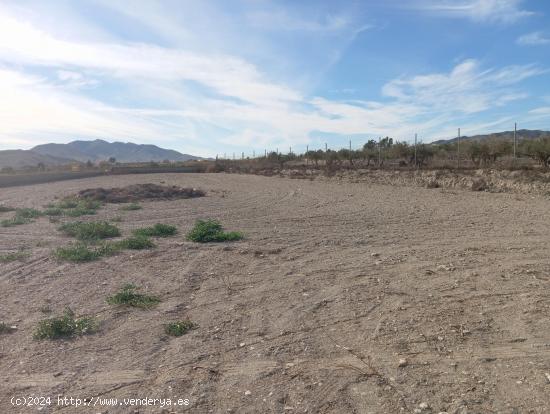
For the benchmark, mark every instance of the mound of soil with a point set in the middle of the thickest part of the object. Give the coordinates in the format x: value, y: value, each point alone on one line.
x: 138, y: 192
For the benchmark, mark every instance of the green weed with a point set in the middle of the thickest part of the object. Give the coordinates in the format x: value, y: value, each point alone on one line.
x: 65, y: 326
x: 179, y: 328
x: 206, y: 231
x: 90, y: 231
x: 129, y: 297
x: 158, y: 230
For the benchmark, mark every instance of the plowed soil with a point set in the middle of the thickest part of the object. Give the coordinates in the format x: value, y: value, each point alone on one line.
x: 343, y: 298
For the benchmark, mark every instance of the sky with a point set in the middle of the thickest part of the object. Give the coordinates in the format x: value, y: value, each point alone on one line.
x: 222, y: 76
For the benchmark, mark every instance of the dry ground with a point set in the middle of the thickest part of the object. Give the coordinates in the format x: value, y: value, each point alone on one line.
x: 333, y: 286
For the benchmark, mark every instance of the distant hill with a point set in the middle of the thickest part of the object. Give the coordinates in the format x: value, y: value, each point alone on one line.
x: 100, y: 150
x: 18, y: 159
x: 507, y: 135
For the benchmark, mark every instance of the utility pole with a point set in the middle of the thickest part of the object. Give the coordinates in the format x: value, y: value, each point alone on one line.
x: 326, y: 147
x: 350, y: 152
x: 515, y: 132
x: 415, y: 163
x: 458, y: 150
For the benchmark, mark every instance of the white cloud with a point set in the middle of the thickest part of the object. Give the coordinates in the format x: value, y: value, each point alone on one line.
x: 230, y: 102
x: 533, y: 39
x: 282, y: 20
x: 500, y: 11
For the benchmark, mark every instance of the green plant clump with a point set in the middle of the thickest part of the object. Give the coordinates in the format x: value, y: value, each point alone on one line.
x: 211, y: 231
x: 14, y: 221
x: 27, y: 213
x: 158, y: 230
x: 90, y: 231
x: 136, y: 243
x: 81, y: 252
x: 179, y: 328
x: 65, y: 326
x: 129, y: 297
x: 131, y: 207
x: 5, y: 209
x: 73, y: 207
x: 12, y: 257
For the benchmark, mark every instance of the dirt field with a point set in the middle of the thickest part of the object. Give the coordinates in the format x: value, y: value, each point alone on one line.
x: 335, y: 286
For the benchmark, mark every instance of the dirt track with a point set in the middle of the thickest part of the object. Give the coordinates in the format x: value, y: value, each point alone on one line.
x: 333, y: 286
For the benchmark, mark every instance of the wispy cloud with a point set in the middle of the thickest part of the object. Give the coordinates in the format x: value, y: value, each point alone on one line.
x: 500, y: 11
x: 533, y: 39
x: 202, y: 101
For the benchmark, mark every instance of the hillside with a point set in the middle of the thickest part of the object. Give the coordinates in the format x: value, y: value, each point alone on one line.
x: 507, y: 135
x: 18, y: 159
x: 100, y: 150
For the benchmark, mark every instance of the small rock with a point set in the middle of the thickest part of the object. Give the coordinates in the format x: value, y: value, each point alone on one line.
x: 423, y: 406
x: 403, y: 362
x: 247, y: 392
x: 547, y: 375
x: 375, y: 254
x: 242, y: 344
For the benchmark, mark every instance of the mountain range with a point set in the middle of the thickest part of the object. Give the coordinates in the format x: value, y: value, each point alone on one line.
x: 83, y: 151
x: 506, y: 135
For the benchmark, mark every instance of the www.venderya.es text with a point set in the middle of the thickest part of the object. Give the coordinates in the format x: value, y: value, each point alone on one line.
x: 67, y: 401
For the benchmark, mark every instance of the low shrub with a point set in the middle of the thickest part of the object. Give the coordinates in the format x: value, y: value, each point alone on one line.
x: 179, y: 328
x: 53, y: 211
x: 5, y: 209
x: 14, y: 221
x: 90, y: 231
x: 81, y: 252
x: 136, y: 243
x: 158, y: 230
x: 27, y: 213
x: 12, y: 257
x: 129, y: 297
x: 206, y: 231
x: 65, y: 326
x: 131, y: 207
x: 74, y: 207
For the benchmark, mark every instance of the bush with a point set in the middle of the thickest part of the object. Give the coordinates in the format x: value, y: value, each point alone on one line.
x: 131, y: 207
x: 74, y: 207
x: 65, y: 326
x: 27, y: 213
x: 179, y: 328
x: 12, y: 257
x: 158, y: 230
x: 53, y: 211
x: 136, y: 243
x: 15, y: 221
x: 81, y: 252
x: 5, y: 209
x: 90, y: 231
x: 129, y: 297
x: 211, y: 231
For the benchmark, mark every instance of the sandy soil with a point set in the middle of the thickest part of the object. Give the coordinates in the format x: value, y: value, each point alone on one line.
x: 335, y: 287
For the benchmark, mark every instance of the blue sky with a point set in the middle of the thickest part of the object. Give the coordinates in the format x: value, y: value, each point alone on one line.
x: 208, y: 77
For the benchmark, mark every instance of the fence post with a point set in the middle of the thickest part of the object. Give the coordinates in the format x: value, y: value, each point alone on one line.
x: 415, y: 162
x: 379, y: 151
x: 458, y: 150
x: 515, y: 131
